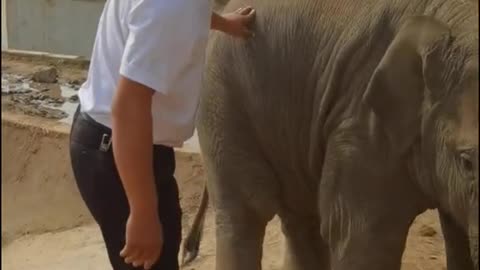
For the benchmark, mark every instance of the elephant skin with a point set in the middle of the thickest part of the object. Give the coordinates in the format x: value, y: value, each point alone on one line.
x: 347, y: 119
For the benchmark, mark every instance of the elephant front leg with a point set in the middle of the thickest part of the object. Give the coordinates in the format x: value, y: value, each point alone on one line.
x: 456, y: 245
x: 360, y: 246
x: 239, y: 241
x: 366, y: 206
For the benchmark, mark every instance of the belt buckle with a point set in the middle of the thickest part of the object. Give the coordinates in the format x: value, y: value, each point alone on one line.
x: 105, y: 143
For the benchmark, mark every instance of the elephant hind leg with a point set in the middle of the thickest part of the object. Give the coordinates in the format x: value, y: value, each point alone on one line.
x: 243, y: 192
x: 239, y: 241
x: 240, y: 232
x: 305, y: 248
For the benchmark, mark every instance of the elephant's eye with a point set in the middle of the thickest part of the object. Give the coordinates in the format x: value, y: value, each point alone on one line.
x: 466, y: 162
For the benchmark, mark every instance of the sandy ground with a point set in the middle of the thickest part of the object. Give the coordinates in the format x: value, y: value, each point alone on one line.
x: 45, y: 225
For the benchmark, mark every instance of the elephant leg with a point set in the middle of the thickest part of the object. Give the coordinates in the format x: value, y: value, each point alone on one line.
x: 364, y: 215
x: 243, y: 194
x: 305, y: 249
x: 456, y: 244
x: 375, y: 249
x: 239, y: 240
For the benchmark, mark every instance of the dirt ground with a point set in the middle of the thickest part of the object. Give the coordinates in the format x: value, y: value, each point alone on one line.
x: 45, y: 225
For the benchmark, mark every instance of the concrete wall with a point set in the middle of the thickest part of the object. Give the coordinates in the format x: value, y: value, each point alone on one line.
x: 4, y: 26
x: 54, y: 26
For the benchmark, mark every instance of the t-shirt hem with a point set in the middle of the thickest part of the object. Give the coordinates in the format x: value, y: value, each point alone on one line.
x: 144, y: 77
x: 105, y: 120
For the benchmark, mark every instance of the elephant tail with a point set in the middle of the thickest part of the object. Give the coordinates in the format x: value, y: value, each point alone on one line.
x: 191, y: 244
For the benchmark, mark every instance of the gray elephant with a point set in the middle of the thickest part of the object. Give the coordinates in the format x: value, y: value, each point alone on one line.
x: 347, y: 119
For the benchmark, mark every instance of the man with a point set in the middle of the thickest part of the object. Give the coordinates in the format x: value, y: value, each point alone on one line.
x: 139, y: 101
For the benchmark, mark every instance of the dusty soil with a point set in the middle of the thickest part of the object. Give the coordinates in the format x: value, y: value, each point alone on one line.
x: 45, y: 225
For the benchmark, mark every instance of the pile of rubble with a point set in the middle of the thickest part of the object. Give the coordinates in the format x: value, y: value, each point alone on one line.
x: 39, y: 93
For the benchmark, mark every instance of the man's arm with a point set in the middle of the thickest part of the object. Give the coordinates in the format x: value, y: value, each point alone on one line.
x: 132, y: 144
x: 133, y: 153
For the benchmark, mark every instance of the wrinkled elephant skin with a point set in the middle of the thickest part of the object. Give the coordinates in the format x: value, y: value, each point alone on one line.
x: 347, y: 119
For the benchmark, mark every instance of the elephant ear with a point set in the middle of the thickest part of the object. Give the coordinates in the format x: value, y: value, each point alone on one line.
x: 411, y: 65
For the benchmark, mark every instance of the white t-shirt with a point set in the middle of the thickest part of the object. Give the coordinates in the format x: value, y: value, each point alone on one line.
x: 158, y: 43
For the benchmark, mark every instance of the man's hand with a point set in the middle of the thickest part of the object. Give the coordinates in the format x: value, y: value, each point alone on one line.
x: 235, y: 23
x: 144, y: 240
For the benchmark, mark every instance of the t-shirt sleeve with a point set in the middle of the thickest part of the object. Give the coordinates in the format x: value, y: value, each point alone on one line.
x: 160, y: 39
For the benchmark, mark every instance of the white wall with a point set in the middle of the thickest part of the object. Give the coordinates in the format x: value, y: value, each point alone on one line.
x: 4, y: 26
x: 53, y: 26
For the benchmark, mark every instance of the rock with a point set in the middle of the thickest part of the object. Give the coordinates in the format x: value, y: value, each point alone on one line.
x: 19, y: 80
x: 76, y: 84
x: 8, y: 91
x: 54, y: 92
x: 45, y: 75
x: 40, y: 97
x: 427, y: 231
x: 73, y: 99
x: 77, y: 81
x: 37, y: 110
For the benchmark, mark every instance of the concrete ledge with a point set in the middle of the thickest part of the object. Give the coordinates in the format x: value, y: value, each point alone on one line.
x: 43, y: 54
x: 42, y: 125
x: 39, y: 193
x: 60, y: 129
x: 46, y: 58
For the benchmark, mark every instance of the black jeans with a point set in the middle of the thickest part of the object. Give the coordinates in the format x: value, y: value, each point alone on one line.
x: 101, y: 189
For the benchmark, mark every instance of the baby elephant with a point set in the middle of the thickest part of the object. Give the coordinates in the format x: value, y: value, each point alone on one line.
x: 347, y: 119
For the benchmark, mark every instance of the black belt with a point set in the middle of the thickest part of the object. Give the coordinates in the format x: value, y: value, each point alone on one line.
x: 90, y: 133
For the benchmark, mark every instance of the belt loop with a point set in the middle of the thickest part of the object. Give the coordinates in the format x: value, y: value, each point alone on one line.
x: 106, y: 143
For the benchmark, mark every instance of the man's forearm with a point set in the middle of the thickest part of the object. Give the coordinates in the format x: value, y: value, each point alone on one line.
x: 133, y: 153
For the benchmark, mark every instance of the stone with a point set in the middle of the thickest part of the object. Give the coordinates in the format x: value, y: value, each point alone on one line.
x: 77, y: 81
x: 73, y: 99
x: 45, y: 75
x: 427, y: 231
